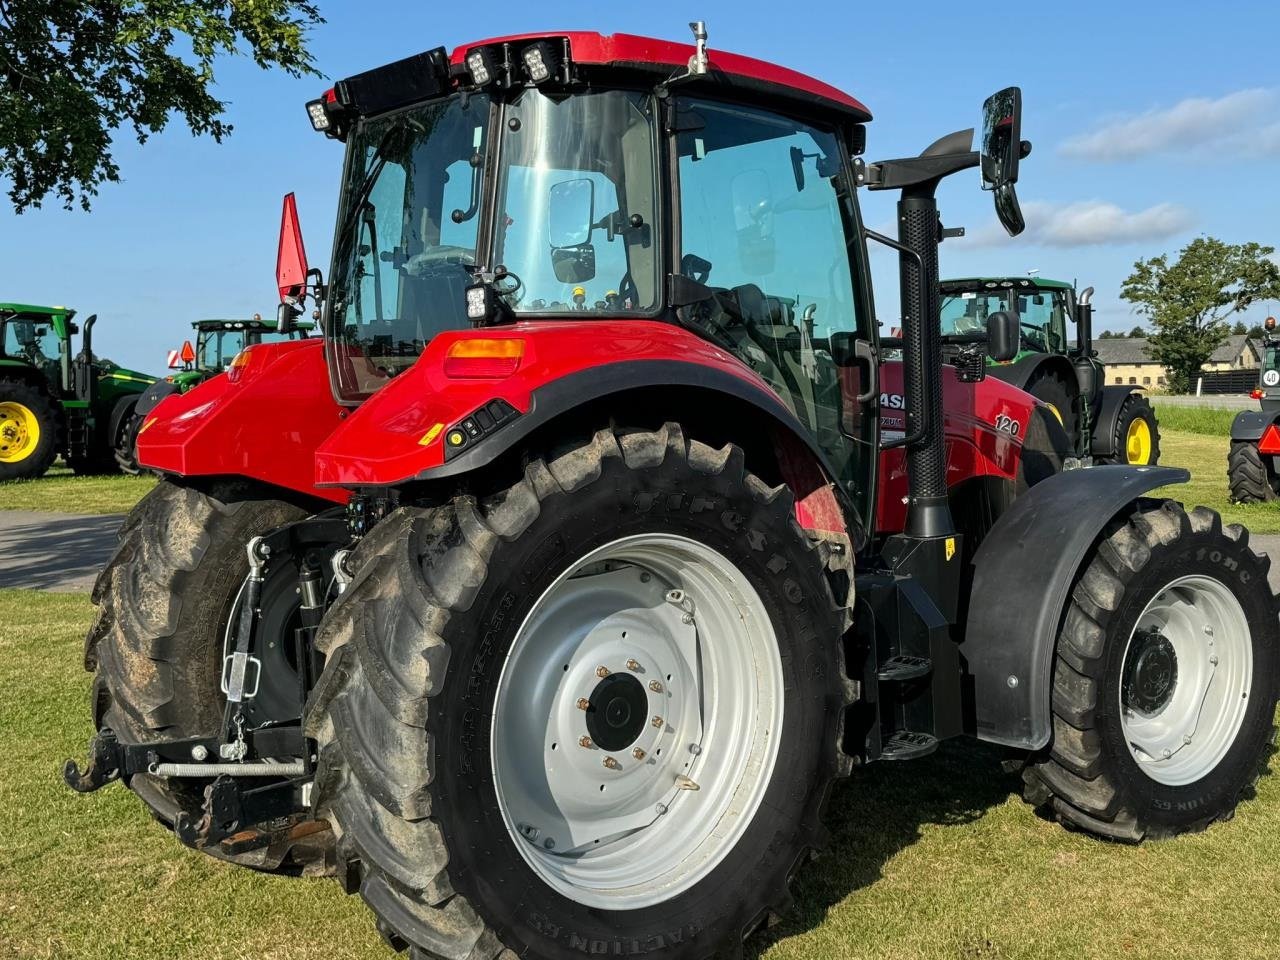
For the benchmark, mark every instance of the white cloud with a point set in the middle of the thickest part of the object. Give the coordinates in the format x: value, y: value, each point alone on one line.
x: 1087, y: 223
x: 1241, y: 117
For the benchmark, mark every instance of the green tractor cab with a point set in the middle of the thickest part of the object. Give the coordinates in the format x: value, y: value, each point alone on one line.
x: 54, y: 401
x: 1107, y: 423
x: 217, y: 343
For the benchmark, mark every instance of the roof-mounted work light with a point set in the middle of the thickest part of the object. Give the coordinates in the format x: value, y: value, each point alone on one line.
x: 542, y: 61
x: 480, y: 66
x: 319, y: 118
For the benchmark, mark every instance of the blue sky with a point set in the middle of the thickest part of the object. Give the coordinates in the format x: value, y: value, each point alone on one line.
x: 1151, y: 123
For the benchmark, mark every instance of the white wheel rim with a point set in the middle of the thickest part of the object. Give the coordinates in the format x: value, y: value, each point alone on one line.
x: 1179, y: 731
x: 684, y: 623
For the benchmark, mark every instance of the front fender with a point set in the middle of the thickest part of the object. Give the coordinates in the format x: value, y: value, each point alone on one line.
x: 1024, y: 572
x: 1103, y: 441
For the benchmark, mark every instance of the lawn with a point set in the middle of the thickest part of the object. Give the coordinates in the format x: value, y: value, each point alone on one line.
x: 62, y: 491
x: 933, y: 859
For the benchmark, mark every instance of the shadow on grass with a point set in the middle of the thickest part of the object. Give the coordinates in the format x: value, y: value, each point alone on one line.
x: 878, y: 812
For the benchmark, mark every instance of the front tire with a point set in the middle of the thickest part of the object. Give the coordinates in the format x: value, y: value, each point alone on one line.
x: 126, y: 448
x: 156, y: 646
x: 1135, y: 435
x: 29, y: 431
x: 427, y: 768
x: 1060, y: 397
x: 1165, y: 681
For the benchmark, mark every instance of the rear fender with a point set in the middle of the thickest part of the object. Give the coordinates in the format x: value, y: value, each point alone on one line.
x: 1250, y: 425
x: 1023, y: 575
x: 1022, y: 372
x: 266, y: 425
x: 151, y: 397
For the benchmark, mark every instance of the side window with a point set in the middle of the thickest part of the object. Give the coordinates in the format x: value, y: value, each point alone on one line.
x: 378, y: 282
x: 762, y: 226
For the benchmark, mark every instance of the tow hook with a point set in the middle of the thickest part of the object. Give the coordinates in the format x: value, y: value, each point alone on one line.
x: 105, y: 763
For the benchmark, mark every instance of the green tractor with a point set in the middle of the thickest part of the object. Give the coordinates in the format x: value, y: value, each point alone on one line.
x: 1253, y: 465
x: 56, y: 402
x: 217, y: 344
x: 1107, y: 423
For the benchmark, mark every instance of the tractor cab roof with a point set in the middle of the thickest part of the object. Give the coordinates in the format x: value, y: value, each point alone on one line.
x: 1031, y: 283
x: 27, y: 310
x: 582, y: 59
x: 256, y: 325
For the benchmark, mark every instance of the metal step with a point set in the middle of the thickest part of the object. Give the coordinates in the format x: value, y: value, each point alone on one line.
x: 904, y: 668
x: 905, y: 745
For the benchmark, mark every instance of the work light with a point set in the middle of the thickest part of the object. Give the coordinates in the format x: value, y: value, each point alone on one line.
x: 480, y: 66
x: 478, y: 302
x: 319, y: 119
x: 541, y: 61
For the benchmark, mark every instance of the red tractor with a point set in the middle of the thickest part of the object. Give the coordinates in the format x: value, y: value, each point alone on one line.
x: 543, y: 600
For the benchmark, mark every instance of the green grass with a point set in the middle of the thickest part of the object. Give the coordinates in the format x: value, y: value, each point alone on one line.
x: 1205, y: 455
x: 62, y: 491
x: 933, y: 859
x: 1210, y: 421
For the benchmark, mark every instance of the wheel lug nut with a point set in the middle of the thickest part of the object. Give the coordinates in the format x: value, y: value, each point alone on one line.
x: 656, y: 721
x: 585, y: 742
x: 602, y: 672
x: 655, y: 686
x: 660, y: 809
x: 687, y: 618
x: 638, y: 753
x: 1187, y: 740
x: 611, y: 763
x: 584, y: 703
x: 695, y: 749
x: 633, y: 666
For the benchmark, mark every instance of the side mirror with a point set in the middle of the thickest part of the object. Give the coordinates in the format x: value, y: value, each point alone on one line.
x: 291, y: 265
x: 574, y: 264
x: 1002, y: 149
x: 570, y: 213
x: 1003, y: 336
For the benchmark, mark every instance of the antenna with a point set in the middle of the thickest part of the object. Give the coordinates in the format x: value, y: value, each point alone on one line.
x: 698, y: 63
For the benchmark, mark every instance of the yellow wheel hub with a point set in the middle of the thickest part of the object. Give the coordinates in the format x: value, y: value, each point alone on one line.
x: 1137, y: 442
x: 19, y: 432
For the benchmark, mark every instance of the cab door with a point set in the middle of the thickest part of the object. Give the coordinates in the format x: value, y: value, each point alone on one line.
x: 769, y: 226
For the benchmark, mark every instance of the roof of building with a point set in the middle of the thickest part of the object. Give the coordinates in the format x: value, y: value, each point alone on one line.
x: 1134, y: 350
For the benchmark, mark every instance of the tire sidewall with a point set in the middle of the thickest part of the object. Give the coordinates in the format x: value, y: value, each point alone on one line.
x: 1176, y: 808
x: 484, y: 863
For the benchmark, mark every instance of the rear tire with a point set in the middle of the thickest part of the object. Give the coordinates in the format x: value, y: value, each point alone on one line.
x: 1124, y: 686
x: 1250, y: 478
x: 1135, y: 435
x: 411, y: 696
x: 30, y: 431
x: 126, y: 450
x: 156, y: 646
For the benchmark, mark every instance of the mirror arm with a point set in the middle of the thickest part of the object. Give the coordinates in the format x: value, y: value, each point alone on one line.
x: 910, y: 172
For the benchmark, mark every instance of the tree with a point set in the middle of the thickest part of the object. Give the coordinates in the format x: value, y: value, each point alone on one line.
x: 72, y: 72
x: 1137, y: 333
x: 1239, y: 330
x: 1256, y: 331
x: 1189, y: 300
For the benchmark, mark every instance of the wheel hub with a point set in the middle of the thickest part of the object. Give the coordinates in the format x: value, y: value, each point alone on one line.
x: 19, y: 432
x: 1152, y: 674
x: 618, y: 712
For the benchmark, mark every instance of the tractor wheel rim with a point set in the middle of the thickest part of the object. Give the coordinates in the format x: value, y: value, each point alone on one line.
x: 19, y: 432
x: 1188, y: 670
x: 1137, y: 442
x: 637, y: 721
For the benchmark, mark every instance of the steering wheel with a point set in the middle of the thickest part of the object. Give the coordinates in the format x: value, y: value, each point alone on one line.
x: 430, y: 262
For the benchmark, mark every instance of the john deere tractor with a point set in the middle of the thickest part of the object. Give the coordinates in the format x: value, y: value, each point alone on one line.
x: 1108, y: 423
x: 54, y: 401
x: 1253, y: 465
x: 546, y: 623
x: 218, y: 342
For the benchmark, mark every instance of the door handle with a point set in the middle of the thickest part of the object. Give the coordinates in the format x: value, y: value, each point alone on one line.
x: 862, y: 350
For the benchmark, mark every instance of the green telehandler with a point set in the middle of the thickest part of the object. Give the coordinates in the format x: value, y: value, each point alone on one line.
x: 55, y: 402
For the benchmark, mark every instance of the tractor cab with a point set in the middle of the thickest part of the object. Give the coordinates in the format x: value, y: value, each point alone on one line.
x: 1042, y: 308
x: 41, y: 338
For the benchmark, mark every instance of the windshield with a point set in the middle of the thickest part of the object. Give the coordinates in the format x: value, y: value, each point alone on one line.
x: 215, y: 348
x: 407, y: 231
x: 1042, y: 314
x: 577, y: 224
